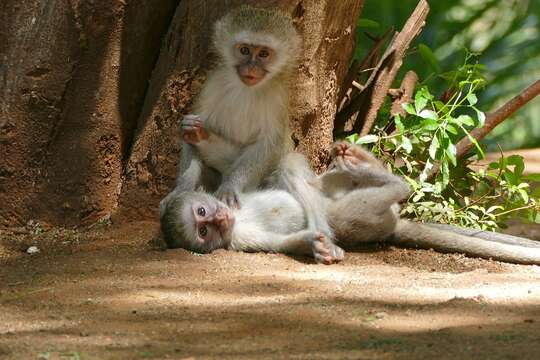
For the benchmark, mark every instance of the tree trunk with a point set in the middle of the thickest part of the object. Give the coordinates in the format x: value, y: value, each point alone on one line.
x: 91, y: 98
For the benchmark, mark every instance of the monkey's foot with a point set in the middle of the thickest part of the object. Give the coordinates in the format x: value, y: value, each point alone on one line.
x: 326, y: 252
x: 347, y: 156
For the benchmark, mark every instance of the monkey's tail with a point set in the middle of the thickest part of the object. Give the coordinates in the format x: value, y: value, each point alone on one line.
x: 447, y: 238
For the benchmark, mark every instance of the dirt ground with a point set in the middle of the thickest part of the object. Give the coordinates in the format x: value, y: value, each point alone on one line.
x: 113, y: 293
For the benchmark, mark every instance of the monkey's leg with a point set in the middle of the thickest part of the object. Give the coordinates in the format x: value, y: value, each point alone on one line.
x: 296, y: 177
x: 418, y: 235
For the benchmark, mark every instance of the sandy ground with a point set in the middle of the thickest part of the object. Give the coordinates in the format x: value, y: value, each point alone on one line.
x: 113, y: 293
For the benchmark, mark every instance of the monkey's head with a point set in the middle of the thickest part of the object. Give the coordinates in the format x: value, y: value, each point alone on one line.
x: 258, y: 43
x: 198, y: 222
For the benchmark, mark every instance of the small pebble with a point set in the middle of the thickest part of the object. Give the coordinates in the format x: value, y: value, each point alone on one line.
x: 32, y: 250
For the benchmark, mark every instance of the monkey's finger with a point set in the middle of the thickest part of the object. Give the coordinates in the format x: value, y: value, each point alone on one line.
x: 189, y: 128
x: 191, y: 122
x: 191, y: 138
x: 191, y: 117
x: 230, y: 198
x: 322, y: 251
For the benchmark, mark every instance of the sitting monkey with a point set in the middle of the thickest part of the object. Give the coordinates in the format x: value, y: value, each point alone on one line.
x: 359, y: 198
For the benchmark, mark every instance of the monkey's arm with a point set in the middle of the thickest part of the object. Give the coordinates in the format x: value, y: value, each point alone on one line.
x: 188, y: 178
x: 249, y: 169
x: 190, y: 169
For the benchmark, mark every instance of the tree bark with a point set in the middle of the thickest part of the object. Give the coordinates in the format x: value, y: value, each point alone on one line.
x: 92, y: 92
x: 73, y: 76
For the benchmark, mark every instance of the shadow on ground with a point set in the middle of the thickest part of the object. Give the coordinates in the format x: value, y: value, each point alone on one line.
x: 111, y: 294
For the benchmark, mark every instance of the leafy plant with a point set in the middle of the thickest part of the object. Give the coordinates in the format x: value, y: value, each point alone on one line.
x: 422, y: 148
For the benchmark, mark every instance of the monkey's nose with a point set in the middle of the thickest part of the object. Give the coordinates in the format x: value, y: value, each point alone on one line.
x: 223, y: 219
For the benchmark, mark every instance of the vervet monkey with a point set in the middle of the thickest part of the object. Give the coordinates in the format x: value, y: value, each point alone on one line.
x: 245, y: 102
x: 269, y: 220
x: 361, y: 203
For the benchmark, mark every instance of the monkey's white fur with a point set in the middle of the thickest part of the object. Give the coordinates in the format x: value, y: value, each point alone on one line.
x: 260, y: 221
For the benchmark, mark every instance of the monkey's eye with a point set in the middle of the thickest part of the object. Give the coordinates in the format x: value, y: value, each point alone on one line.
x: 201, y: 211
x: 203, y: 231
x: 264, y: 53
x: 244, y: 50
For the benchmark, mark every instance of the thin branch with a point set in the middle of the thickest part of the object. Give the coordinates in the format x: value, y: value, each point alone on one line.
x: 347, y: 110
x: 406, y: 90
x: 498, y: 116
x: 392, y: 61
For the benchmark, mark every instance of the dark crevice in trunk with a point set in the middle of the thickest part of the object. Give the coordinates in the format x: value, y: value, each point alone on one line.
x: 145, y: 27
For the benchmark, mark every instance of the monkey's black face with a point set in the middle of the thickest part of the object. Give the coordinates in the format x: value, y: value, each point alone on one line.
x: 212, y: 225
x: 253, y: 62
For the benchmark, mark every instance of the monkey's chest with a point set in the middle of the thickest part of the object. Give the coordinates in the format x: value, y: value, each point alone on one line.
x: 274, y: 211
x: 219, y: 155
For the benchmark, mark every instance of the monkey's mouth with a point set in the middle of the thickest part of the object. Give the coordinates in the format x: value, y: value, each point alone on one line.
x: 250, y: 80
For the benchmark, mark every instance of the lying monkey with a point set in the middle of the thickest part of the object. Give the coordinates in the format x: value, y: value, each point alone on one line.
x: 360, y: 199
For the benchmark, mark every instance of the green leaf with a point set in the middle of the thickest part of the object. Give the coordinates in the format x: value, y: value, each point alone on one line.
x: 424, y: 92
x: 433, y: 147
x: 428, y: 114
x: 429, y: 125
x: 451, y: 129
x: 429, y: 57
x: 517, y: 161
x: 368, y: 139
x: 451, y: 153
x: 367, y: 23
x: 417, y: 197
x: 440, y: 106
x: 409, y: 108
x: 524, y: 195
x: 420, y: 101
x: 471, y: 97
x: 399, y: 124
x: 406, y: 143
x: 352, y: 138
x: 465, y: 119
x: 445, y: 172
x: 510, y: 177
x: 481, y: 117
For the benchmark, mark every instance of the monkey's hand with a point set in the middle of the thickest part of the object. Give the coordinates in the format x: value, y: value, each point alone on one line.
x: 325, y: 251
x: 228, y: 195
x: 192, y: 129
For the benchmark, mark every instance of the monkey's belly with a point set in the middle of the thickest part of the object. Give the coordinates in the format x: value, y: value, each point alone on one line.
x: 277, y: 211
x: 219, y: 156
